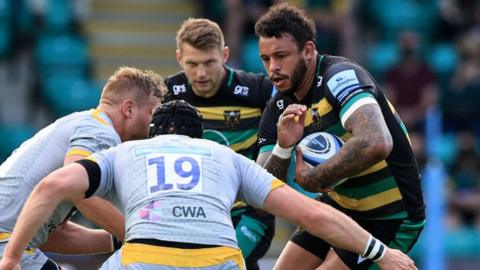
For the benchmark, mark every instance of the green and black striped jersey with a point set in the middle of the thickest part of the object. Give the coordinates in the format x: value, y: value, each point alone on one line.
x: 389, y: 189
x: 232, y: 116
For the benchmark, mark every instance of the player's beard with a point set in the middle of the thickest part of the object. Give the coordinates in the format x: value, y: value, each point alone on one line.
x: 298, y: 75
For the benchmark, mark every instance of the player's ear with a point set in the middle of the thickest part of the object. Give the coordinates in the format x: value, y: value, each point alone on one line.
x: 128, y: 108
x: 178, y: 55
x: 309, y: 50
x: 225, y: 54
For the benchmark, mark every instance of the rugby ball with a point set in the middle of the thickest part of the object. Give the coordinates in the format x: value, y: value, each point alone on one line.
x: 318, y: 147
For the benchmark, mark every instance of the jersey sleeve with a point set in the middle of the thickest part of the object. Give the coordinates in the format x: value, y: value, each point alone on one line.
x: 90, y: 137
x: 105, y: 164
x: 349, y: 87
x: 255, y: 182
x: 267, y: 133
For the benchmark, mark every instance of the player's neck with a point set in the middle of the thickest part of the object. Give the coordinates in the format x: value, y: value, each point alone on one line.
x: 307, y: 81
x: 114, y: 115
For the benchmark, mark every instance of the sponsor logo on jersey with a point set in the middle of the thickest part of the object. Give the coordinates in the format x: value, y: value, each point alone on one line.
x: 280, y: 104
x: 240, y: 90
x: 232, y: 118
x: 177, y: 89
x: 188, y: 211
x: 342, y: 83
x: 316, y: 120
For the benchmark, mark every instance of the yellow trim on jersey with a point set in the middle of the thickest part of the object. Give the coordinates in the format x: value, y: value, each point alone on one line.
x: 322, y: 106
x: 245, y: 144
x: 276, y: 183
x: 367, y: 203
x: 178, y: 257
x: 96, y: 115
x: 4, y: 236
x: 92, y: 159
x: 345, y: 137
x: 80, y: 152
x: 239, y: 204
x: 375, y: 168
x: 216, y: 113
x: 394, y: 111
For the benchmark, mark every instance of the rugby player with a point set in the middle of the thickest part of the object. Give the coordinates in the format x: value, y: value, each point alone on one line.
x: 124, y: 113
x: 231, y: 102
x: 320, y: 92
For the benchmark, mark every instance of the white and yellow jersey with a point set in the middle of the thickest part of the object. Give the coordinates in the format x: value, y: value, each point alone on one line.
x: 179, y: 189
x: 80, y: 133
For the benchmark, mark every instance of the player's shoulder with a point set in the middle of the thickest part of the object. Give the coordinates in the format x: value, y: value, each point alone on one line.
x: 334, y: 64
x: 243, y: 82
x: 93, y: 121
x: 176, y: 78
x: 246, y: 77
x: 177, y: 83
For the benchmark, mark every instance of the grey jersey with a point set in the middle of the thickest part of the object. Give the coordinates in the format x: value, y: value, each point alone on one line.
x: 175, y: 188
x: 80, y: 133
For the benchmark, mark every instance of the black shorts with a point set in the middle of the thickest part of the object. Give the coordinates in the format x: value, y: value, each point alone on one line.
x: 50, y: 265
x: 254, y: 232
x: 397, y: 233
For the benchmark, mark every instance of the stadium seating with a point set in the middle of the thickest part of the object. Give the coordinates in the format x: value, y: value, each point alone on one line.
x: 69, y: 94
x: 250, y: 56
x: 11, y: 136
x: 61, y: 55
x: 5, y: 27
x: 58, y: 15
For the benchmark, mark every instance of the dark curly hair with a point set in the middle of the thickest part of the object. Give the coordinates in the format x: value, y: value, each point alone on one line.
x: 286, y: 19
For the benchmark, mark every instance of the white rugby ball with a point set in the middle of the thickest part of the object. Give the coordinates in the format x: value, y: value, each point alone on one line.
x: 318, y: 147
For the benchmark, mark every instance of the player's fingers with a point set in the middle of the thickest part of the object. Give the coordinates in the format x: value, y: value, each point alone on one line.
x: 296, y: 109
x: 285, y: 119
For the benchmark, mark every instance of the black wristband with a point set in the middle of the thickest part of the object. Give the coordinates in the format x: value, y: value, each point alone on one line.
x: 116, y: 244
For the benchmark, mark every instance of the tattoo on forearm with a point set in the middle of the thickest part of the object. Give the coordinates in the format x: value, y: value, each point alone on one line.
x: 278, y: 167
x: 368, y: 129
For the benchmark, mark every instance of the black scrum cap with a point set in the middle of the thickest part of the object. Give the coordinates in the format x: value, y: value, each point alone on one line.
x: 177, y: 117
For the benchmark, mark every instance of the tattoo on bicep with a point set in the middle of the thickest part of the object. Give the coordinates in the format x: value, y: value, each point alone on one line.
x: 367, y: 128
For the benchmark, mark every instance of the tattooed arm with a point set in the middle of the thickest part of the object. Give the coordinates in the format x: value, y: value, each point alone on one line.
x: 371, y: 142
x: 274, y: 165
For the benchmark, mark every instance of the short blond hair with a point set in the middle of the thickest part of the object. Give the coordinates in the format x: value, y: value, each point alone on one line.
x: 139, y: 84
x: 200, y: 33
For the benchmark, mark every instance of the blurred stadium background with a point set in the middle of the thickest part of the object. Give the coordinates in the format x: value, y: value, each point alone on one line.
x: 56, y: 54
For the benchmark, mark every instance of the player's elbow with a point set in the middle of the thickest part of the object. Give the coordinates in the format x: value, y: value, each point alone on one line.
x: 52, y: 186
x: 379, y: 147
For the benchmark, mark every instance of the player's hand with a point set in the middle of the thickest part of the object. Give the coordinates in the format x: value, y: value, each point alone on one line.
x: 290, y: 125
x: 396, y: 260
x: 9, y: 264
x: 304, y: 177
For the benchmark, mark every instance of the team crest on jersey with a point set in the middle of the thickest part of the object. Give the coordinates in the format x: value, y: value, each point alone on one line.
x: 232, y: 118
x: 317, y: 123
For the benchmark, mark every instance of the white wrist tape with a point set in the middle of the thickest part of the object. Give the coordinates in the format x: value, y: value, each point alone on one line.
x: 374, y: 249
x: 283, y: 153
